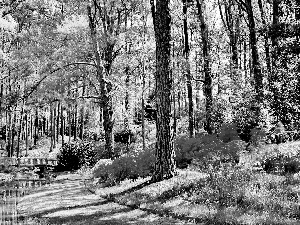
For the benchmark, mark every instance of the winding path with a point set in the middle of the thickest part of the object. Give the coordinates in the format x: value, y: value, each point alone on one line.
x: 66, y: 201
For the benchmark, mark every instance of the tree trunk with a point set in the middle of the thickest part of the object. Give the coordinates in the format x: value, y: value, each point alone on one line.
x: 82, y: 111
x: 258, y: 76
x: 9, y: 134
x: 274, y: 77
x: 36, y: 124
x: 26, y: 134
x: 75, y: 121
x: 13, y: 132
x: 143, y: 108
x: 266, y: 36
x: 186, y: 53
x: 274, y: 38
x: 31, y: 127
x: 232, y: 25
x: 70, y: 124
x: 57, y: 121
x: 206, y: 68
x: 62, y: 125
x: 165, y: 164
x: 105, y: 86
x: 20, y: 130
x: 51, y: 128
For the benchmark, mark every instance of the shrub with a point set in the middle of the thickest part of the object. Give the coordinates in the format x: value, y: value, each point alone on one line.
x: 137, y: 163
x: 207, y: 150
x: 283, y: 158
x: 225, y: 188
x: 74, y: 155
x: 228, y: 132
x: 125, y: 136
x: 258, y: 136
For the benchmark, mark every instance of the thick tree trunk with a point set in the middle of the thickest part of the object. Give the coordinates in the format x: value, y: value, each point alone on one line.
x: 206, y: 68
x: 165, y: 163
x: 273, y: 77
x: 186, y: 53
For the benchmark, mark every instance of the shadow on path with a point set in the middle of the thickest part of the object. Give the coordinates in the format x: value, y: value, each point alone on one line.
x: 69, y: 203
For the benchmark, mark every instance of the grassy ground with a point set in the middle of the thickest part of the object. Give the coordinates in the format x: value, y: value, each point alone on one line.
x: 249, y: 199
x: 231, y: 195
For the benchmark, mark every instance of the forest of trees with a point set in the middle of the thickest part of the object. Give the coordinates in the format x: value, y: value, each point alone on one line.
x: 102, y: 66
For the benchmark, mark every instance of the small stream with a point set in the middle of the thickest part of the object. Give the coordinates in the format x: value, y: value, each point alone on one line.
x: 11, y: 194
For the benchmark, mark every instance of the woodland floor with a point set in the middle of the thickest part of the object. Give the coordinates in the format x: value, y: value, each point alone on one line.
x: 68, y: 201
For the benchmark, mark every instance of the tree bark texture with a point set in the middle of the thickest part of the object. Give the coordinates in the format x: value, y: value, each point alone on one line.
x: 258, y: 76
x: 36, y: 124
x: 51, y: 128
x: 165, y: 163
x: 266, y: 36
x: 206, y: 67
x: 186, y: 53
x: 105, y: 86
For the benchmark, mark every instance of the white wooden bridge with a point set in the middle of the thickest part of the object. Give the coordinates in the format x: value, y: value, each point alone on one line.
x: 28, y: 162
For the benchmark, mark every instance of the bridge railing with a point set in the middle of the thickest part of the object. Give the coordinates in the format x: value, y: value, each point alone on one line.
x: 27, y: 161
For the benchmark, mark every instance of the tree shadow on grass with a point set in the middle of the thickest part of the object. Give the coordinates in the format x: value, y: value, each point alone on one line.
x: 41, y: 214
x: 130, y: 190
x: 124, y: 216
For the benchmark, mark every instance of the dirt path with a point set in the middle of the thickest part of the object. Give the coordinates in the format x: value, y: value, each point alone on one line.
x: 66, y: 201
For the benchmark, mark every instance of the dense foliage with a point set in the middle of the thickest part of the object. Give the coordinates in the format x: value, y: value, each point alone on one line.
x: 74, y: 155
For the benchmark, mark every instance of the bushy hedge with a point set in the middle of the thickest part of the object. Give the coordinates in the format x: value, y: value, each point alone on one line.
x: 280, y: 159
x: 74, y: 155
x: 125, y: 136
x: 207, y: 150
x: 134, y: 164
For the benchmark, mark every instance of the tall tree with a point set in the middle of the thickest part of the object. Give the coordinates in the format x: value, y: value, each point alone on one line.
x: 247, y: 6
x: 164, y: 164
x: 186, y: 53
x: 206, y: 66
x: 109, y: 20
